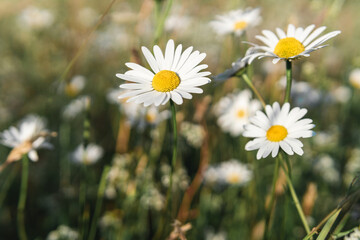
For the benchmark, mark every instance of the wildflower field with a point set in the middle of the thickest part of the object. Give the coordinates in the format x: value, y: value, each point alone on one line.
x: 164, y: 119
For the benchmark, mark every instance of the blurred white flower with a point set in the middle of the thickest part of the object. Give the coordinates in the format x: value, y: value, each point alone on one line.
x: 355, y: 235
x: 231, y: 172
x: 75, y: 85
x: 136, y: 114
x: 30, y: 135
x: 352, y: 167
x: 341, y: 94
x: 35, y: 18
x: 76, y: 107
x: 237, y: 112
x: 112, y: 38
x: 63, y: 233
x: 180, y: 177
x: 177, y: 22
x: 302, y: 93
x: 110, y: 220
x: 236, y: 21
x: 211, y: 235
x: 118, y: 177
x: 354, y: 78
x: 87, y: 155
x: 152, y: 199
x: 193, y: 133
x: 325, y: 167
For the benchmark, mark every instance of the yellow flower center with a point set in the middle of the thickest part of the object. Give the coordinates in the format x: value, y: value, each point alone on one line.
x: 288, y: 47
x: 240, y: 25
x: 233, y: 178
x: 165, y: 81
x: 150, y: 117
x: 241, y: 113
x: 276, y: 133
x: 70, y: 90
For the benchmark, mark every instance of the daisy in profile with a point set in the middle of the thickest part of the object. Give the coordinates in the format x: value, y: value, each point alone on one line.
x: 26, y: 139
x: 236, y: 21
x: 278, y: 128
x: 238, y: 110
x: 295, y: 43
x: 175, y: 75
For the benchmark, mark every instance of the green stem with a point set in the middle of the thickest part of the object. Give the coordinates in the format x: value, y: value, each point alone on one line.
x: 160, y: 25
x: 22, y: 198
x: 173, y: 163
x: 288, y: 81
x: 174, y: 154
x: 99, y: 200
x: 5, y: 187
x: 294, y: 196
x: 272, y: 198
x: 251, y: 85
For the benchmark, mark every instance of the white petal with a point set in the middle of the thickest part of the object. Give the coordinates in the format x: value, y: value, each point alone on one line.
x: 176, y: 97
x: 33, y: 155
x: 150, y: 59
x: 313, y: 35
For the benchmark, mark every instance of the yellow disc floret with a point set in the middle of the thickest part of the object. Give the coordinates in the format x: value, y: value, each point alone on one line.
x: 288, y: 47
x: 165, y: 81
x: 233, y: 178
x: 240, y: 25
x: 276, y: 133
x: 240, y: 113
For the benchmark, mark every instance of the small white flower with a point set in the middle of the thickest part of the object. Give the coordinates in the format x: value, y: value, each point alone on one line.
x: 231, y: 172
x: 76, y: 84
x: 296, y: 43
x: 89, y: 155
x: 341, y: 94
x: 63, y: 233
x: 325, y: 166
x: 27, y: 138
x: 355, y: 235
x: 237, y: 112
x: 236, y: 21
x: 75, y: 107
x: 175, y: 75
x: 234, y: 172
x: 302, y: 93
x: 193, y: 133
x: 177, y: 22
x: 279, y: 128
x: 35, y: 18
x: 354, y: 78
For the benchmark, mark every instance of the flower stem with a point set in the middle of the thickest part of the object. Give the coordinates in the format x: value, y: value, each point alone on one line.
x: 294, y: 196
x: 251, y: 85
x: 99, y: 200
x: 174, y: 153
x: 288, y: 81
x: 272, y: 198
x: 22, y: 198
x: 160, y: 24
x: 162, y: 220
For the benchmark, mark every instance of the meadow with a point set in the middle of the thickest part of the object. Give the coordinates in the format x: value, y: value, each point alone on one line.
x: 164, y: 119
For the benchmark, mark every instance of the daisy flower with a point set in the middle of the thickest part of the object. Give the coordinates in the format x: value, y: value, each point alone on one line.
x: 354, y: 78
x: 26, y: 139
x: 87, y: 155
x: 236, y: 21
x: 174, y: 76
x: 237, y: 114
x: 234, y: 172
x: 279, y: 128
x: 295, y: 43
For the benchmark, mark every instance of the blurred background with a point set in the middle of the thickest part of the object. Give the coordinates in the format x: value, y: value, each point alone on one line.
x: 59, y: 60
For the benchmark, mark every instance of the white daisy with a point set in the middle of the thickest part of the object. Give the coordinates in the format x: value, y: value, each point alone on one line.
x: 89, y: 155
x: 237, y: 113
x: 280, y: 127
x: 173, y: 76
x: 354, y: 78
x: 234, y: 172
x: 297, y: 42
x: 26, y: 139
x: 236, y: 21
